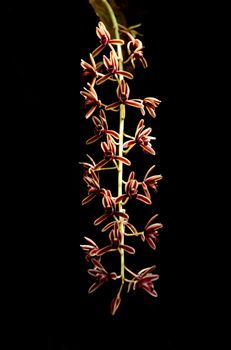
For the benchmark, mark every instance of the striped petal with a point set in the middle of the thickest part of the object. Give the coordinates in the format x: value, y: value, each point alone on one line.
x: 123, y: 160
x: 134, y: 103
x: 103, y: 79
x: 101, y: 219
x: 125, y: 74
x: 151, y: 243
x: 113, y: 105
x: 144, y: 199
x: 90, y: 112
x: 98, y: 50
x: 128, y: 248
x: 93, y: 139
x: 95, y: 286
x: 88, y: 198
x: 116, y: 42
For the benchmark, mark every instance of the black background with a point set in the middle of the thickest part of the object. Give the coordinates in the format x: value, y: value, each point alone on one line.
x: 49, y: 301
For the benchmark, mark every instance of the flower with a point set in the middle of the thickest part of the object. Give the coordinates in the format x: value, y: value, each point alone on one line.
x: 131, y: 191
x: 109, y: 150
x: 141, y: 138
x: 144, y: 280
x: 150, y: 233
x: 90, y: 70
x: 109, y: 205
x: 100, y: 274
x: 135, y: 51
x: 90, y: 249
x: 112, y: 67
x: 105, y: 39
x: 91, y: 100
x: 150, y: 103
x: 101, y: 128
x: 93, y: 186
x: 123, y: 92
x: 115, y: 238
x: 150, y: 181
x: 88, y: 166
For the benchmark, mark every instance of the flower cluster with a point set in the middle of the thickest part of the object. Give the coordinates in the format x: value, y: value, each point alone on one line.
x: 114, y: 156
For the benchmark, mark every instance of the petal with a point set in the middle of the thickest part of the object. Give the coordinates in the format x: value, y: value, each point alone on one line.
x: 89, y: 240
x: 101, y: 164
x: 112, y: 105
x: 150, y: 242
x: 153, y: 293
x: 153, y: 227
x: 109, y: 225
x: 131, y: 227
x: 129, y: 143
x: 144, y: 62
x: 104, y: 250
x: 88, y: 198
x: 93, y: 139
x: 128, y: 248
x: 146, y: 191
x: 98, y: 50
x: 149, y: 171
x: 151, y: 111
x: 134, y: 103
x: 144, y: 199
x: 121, y: 198
x: 103, y: 79
x: 123, y: 160
x: 148, y: 149
x: 123, y: 215
x: 90, y: 112
x: 153, y: 218
x: 116, y: 42
x: 113, y: 133
x: 95, y: 286
x: 101, y: 219
x: 125, y: 74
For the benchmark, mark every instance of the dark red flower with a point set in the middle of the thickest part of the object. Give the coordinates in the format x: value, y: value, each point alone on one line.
x: 135, y: 51
x: 105, y: 39
x: 150, y: 181
x: 88, y: 166
x: 123, y: 92
x: 150, y: 103
x: 144, y: 280
x: 112, y: 67
x: 141, y: 138
x: 91, y: 100
x: 101, y: 128
x: 90, y: 70
x: 109, y: 150
x: 100, y: 274
x: 93, y: 186
x: 115, y: 238
x: 109, y: 205
x: 131, y: 191
x: 151, y: 233
x: 90, y: 249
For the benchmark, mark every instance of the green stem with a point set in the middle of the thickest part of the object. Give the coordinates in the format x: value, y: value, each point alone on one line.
x: 121, y: 133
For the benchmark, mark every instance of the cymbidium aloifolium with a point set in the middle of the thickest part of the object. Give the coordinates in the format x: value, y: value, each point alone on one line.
x: 106, y: 70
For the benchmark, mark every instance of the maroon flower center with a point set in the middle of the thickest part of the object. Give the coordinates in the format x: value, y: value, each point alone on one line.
x: 104, y: 40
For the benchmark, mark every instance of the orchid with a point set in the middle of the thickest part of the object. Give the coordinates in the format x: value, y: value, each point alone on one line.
x: 114, y: 221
